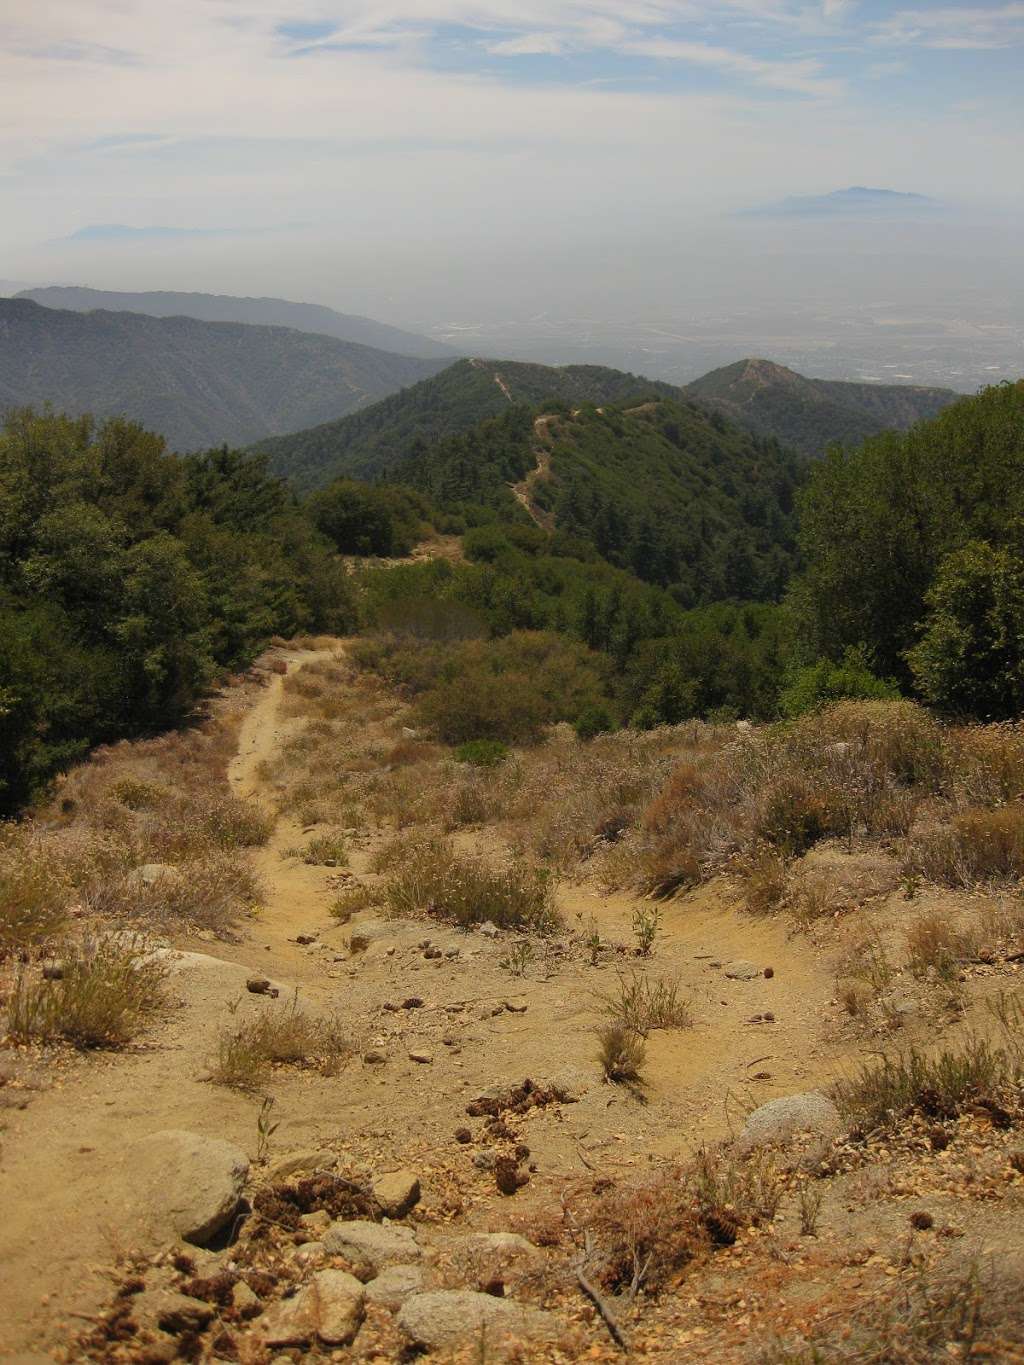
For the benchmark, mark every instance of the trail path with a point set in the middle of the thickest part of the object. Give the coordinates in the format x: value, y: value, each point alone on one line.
x: 523, y: 492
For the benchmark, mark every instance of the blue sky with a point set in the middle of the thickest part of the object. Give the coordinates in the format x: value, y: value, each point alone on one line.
x: 387, y: 125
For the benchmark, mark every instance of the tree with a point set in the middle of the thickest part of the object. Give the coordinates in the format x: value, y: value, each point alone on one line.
x: 970, y: 658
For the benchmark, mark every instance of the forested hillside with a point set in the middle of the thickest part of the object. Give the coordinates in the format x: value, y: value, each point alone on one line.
x: 372, y: 442
x: 197, y: 383
x: 809, y: 415
x: 677, y: 497
x: 129, y: 577
x: 262, y: 312
x: 915, y: 550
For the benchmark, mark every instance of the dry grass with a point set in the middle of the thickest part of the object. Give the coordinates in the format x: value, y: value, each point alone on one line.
x: 34, y: 892
x: 643, y: 1005
x: 935, y: 947
x: 977, y: 845
x: 284, y: 1036
x: 622, y: 1053
x: 350, y: 901
x: 765, y: 879
x: 105, y: 992
x: 430, y: 878
x: 322, y: 850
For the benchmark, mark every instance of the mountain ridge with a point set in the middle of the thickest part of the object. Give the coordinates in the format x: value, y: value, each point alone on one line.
x: 198, y: 384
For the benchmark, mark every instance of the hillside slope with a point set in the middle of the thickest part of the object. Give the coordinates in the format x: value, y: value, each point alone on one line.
x: 371, y: 442
x: 261, y: 312
x: 674, y: 494
x: 198, y: 384
x: 811, y: 414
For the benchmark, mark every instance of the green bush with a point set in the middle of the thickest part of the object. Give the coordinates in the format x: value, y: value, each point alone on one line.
x: 593, y: 720
x: 823, y: 683
x: 482, y: 753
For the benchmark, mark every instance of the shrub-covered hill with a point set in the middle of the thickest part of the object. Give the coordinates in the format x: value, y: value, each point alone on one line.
x: 811, y: 414
x: 675, y: 495
x: 129, y: 578
x: 371, y: 442
x: 197, y: 383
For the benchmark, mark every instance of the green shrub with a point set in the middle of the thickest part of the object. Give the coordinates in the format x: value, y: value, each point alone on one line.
x: 593, y: 720
x: 482, y: 753
x: 825, y: 682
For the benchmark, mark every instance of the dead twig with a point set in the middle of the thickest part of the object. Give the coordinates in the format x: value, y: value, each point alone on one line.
x: 596, y: 1297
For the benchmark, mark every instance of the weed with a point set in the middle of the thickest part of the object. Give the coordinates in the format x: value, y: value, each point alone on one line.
x: 810, y: 1198
x: 265, y: 1130
x: 643, y: 1005
x: 323, y: 850
x: 34, y: 895
x: 350, y: 901
x: 765, y: 880
x: 105, y: 991
x: 936, y: 948
x: 734, y: 1193
x: 482, y: 753
x: 284, y: 1036
x: 646, y: 927
x: 978, y: 845
x: 622, y: 1053
x: 467, y: 892
x: 518, y: 958
x: 937, y: 1085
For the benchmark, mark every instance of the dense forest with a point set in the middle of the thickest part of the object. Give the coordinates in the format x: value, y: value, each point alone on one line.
x: 129, y: 577
x: 682, y: 568
x: 372, y: 442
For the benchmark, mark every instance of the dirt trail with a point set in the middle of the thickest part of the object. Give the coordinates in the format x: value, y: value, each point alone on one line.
x: 67, y: 1194
x: 523, y: 492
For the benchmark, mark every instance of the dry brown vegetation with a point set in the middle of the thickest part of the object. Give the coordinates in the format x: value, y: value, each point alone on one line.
x: 283, y: 1035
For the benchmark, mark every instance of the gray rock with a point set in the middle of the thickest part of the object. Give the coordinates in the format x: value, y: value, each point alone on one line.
x: 489, y: 929
x: 394, y: 1285
x: 165, y: 1310
x: 243, y: 1297
x: 421, y: 1055
x: 779, y: 1121
x: 397, y: 1192
x: 741, y: 971
x: 151, y: 873
x: 329, y: 1309
x: 187, y: 1183
x: 372, y: 1243
x: 444, y: 1317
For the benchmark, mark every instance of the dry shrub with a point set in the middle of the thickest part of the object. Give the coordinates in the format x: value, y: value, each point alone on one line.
x: 796, y: 810
x: 622, y: 1053
x: 643, y: 1004
x: 105, y: 991
x: 284, y: 1036
x: 409, y: 751
x: 814, y: 896
x: 34, y: 892
x: 350, y: 901
x: 436, y: 881
x: 939, y: 1085
x: 645, y: 1232
x: 977, y: 845
x: 931, y: 1318
x: 765, y: 876
x: 892, y: 813
x: 988, y: 763
x: 936, y: 947
x: 887, y: 741
x: 207, y: 892
x: 323, y: 850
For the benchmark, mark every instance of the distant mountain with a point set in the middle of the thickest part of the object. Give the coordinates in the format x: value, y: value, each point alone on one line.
x: 371, y: 442
x: 305, y: 317
x: 197, y: 383
x: 811, y: 414
x: 857, y: 200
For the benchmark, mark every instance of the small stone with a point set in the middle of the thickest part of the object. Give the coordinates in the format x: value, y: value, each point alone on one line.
x: 741, y: 970
x: 921, y: 1220
x: 318, y: 1160
x: 375, y: 1056
x: 397, y: 1192
x: 489, y: 929
x: 171, y: 1312
x: 769, y: 972
x: 412, y: 1003
x: 515, y: 1007
x: 258, y: 985
x: 305, y: 939
x: 329, y: 1309
x: 485, y: 1160
x: 444, y: 1317
x: 394, y: 1285
x: 432, y: 953
x: 372, y: 1243
x: 316, y: 1222
x: 421, y: 1056
x: 243, y: 1298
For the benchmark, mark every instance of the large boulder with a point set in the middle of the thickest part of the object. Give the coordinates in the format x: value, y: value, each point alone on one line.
x: 329, y: 1309
x: 445, y: 1317
x: 779, y: 1121
x: 372, y: 1244
x: 187, y: 1184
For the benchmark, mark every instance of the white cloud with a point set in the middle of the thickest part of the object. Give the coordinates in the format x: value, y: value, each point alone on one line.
x: 954, y: 27
x: 802, y: 77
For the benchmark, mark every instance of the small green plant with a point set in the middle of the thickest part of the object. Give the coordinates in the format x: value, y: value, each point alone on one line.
x: 911, y: 884
x: 622, y: 1053
x: 104, y: 993
x: 646, y: 927
x: 592, y: 721
x: 518, y: 958
x: 592, y: 941
x: 482, y: 753
x: 265, y: 1130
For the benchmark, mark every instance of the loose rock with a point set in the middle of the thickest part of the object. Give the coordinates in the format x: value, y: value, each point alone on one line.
x: 397, y: 1192
x: 444, y: 1317
x: 741, y: 971
x: 394, y: 1285
x: 329, y: 1309
x: 779, y: 1121
x: 187, y: 1183
x: 373, y: 1244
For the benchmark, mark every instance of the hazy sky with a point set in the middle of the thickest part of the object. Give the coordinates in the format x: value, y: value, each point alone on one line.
x: 402, y: 152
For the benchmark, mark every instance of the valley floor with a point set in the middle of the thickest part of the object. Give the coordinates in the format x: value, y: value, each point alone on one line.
x: 439, y: 1016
